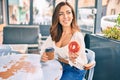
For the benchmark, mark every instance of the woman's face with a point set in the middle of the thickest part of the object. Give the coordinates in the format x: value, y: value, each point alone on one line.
x: 65, y: 16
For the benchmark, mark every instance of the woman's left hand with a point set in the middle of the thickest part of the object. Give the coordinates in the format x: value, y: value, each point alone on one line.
x: 73, y: 56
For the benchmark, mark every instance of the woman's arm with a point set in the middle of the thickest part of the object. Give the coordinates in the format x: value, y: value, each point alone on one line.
x: 46, y: 44
x: 79, y: 59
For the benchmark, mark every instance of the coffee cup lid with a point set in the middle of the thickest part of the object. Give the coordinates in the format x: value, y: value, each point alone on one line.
x: 49, y: 49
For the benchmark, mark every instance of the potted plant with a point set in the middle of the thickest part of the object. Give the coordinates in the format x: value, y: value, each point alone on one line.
x: 113, y: 32
x: 118, y: 21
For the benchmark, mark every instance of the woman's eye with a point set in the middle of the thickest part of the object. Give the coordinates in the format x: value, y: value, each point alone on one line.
x: 68, y: 12
x: 60, y: 14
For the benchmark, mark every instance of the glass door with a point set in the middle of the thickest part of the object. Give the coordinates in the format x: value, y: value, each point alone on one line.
x: 86, y: 15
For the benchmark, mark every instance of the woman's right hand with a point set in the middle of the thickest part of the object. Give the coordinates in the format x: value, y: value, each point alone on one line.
x: 44, y: 57
x: 88, y: 66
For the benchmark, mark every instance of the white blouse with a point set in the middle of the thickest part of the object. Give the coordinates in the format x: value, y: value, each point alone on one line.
x: 62, y: 52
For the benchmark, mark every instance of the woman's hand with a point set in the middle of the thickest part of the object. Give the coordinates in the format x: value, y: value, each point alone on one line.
x: 73, y: 56
x: 88, y: 66
x: 44, y: 57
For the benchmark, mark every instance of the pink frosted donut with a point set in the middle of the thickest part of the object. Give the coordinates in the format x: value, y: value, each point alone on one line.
x: 74, y: 47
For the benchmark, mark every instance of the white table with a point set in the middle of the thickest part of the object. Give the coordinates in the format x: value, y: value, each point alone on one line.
x: 52, y: 70
x: 20, y: 67
x: 28, y: 67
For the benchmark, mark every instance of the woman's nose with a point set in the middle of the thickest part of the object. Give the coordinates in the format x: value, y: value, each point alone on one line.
x: 65, y: 15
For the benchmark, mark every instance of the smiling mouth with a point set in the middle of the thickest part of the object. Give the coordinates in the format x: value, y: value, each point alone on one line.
x: 66, y: 21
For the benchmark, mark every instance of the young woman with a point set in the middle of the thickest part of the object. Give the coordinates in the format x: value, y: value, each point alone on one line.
x: 63, y: 32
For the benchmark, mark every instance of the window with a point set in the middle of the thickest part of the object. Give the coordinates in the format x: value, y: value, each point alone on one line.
x: 110, y: 13
x: 19, y: 11
x: 1, y: 12
x: 42, y: 11
x: 86, y: 15
x: 72, y: 2
x: 38, y: 12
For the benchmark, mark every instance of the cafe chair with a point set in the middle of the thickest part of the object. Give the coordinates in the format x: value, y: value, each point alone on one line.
x: 91, y: 57
x: 14, y: 34
x: 25, y: 34
x: 44, y: 30
x: 6, y: 50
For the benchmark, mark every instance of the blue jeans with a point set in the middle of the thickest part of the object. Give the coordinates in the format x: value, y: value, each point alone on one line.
x: 72, y: 73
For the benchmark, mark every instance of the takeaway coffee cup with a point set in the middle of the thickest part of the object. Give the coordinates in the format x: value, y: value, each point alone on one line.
x: 50, y: 53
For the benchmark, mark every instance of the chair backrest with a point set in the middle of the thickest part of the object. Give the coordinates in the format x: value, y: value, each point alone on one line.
x: 7, y: 50
x: 45, y: 31
x: 4, y: 50
x: 91, y: 57
x: 87, y: 41
x: 20, y: 34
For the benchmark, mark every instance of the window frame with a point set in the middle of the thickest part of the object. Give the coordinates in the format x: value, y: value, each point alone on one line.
x: 1, y: 10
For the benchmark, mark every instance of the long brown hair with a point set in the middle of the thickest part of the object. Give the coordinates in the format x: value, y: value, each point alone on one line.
x: 56, y: 28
